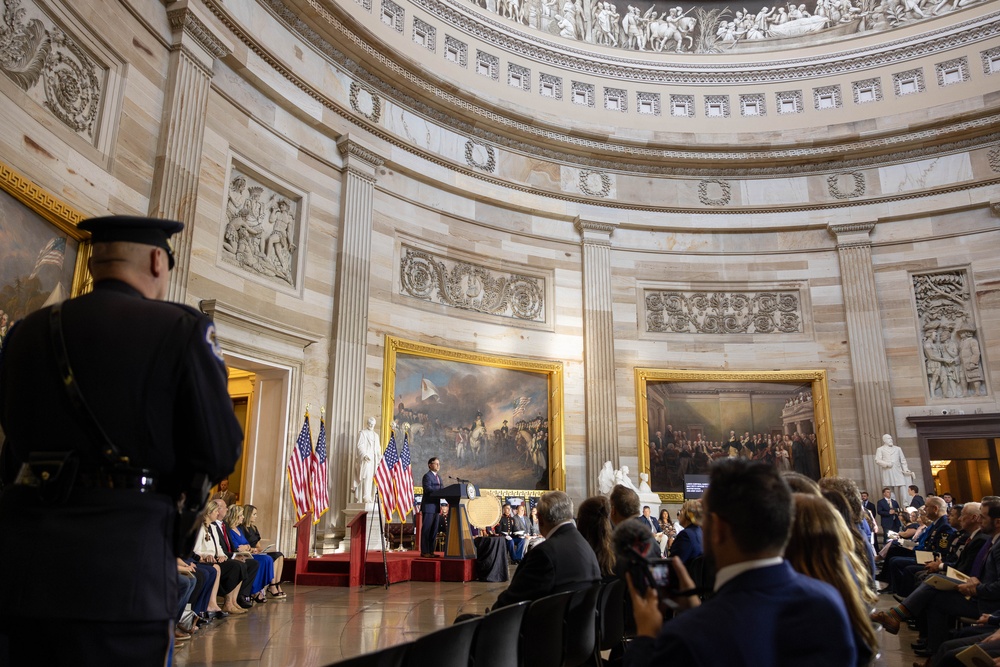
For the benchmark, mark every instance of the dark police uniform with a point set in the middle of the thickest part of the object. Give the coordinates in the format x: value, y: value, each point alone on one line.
x: 102, y: 561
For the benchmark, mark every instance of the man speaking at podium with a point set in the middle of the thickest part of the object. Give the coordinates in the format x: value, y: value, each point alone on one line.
x: 430, y: 510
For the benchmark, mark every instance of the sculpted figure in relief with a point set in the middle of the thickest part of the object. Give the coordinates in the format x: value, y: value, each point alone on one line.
x: 369, y: 452
x: 606, y: 478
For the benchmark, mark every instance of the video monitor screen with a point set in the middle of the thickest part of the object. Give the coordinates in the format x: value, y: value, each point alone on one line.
x: 694, y: 486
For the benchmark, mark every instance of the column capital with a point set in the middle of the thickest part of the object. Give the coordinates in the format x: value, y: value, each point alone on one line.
x: 852, y: 234
x: 359, y: 157
x: 595, y: 233
x: 195, y: 34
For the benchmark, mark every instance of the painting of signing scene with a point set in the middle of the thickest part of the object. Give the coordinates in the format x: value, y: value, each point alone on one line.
x: 39, y: 251
x: 492, y: 420
x: 692, y: 419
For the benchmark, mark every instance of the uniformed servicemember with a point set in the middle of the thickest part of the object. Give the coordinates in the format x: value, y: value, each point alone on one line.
x: 89, y: 504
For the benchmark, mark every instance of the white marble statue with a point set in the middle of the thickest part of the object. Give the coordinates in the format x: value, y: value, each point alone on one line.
x: 621, y: 477
x: 606, y: 478
x: 895, y: 472
x: 369, y: 450
x: 644, y: 483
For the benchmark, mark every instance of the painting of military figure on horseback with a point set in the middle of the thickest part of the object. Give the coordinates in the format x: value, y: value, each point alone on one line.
x: 487, y: 418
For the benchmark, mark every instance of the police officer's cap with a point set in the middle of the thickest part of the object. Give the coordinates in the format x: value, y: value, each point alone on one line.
x: 134, y: 229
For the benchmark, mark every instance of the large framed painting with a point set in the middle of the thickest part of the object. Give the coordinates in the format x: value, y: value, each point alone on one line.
x: 44, y: 257
x: 687, y: 419
x: 496, y: 421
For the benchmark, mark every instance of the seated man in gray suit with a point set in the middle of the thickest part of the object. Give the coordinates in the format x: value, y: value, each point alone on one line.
x: 563, y: 562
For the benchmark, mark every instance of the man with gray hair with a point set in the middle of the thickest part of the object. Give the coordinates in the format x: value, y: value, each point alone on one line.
x: 563, y: 562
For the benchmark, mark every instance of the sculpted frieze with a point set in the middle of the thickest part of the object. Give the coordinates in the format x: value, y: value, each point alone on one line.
x: 462, y: 284
x: 50, y: 66
x: 261, y: 228
x: 950, y: 340
x: 723, y: 312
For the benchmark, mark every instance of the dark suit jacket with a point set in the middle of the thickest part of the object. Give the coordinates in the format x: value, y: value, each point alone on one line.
x: 870, y: 506
x: 889, y: 521
x: 687, y: 544
x: 650, y: 523
x: 563, y: 562
x: 964, y: 562
x: 916, y: 501
x: 431, y: 482
x: 772, y: 616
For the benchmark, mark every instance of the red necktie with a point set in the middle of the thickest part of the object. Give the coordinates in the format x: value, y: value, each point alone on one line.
x: 225, y: 538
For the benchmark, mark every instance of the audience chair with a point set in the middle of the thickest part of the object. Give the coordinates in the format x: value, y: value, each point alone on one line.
x: 497, y: 639
x: 388, y: 657
x: 581, y: 627
x: 448, y: 647
x: 542, y: 631
x: 610, y: 618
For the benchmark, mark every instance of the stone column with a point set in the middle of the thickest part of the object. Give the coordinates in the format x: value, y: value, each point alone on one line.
x: 864, y: 334
x: 350, y: 324
x: 598, y: 349
x: 193, y: 51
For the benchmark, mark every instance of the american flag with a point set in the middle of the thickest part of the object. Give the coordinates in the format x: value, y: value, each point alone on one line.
x: 53, y: 253
x: 299, y: 464
x: 320, y: 486
x: 404, y: 481
x: 519, y: 406
x: 385, y: 474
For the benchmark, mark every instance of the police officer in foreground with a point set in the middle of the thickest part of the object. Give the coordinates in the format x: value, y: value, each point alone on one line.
x: 117, y: 419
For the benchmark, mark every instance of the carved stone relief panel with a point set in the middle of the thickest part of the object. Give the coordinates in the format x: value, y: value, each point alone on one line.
x: 51, y: 67
x: 262, y: 227
x: 723, y: 312
x: 949, y: 336
x: 437, y: 278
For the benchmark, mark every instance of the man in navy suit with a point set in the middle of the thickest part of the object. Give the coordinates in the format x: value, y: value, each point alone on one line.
x: 563, y: 562
x: 888, y: 511
x: 430, y: 511
x: 916, y: 500
x: 748, y: 516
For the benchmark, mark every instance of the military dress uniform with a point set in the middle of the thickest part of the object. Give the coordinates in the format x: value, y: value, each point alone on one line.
x: 98, y: 566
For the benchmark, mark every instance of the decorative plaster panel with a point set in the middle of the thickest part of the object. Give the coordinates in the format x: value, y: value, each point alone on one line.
x: 263, y: 229
x: 51, y: 67
x: 461, y: 284
x: 723, y: 312
x: 950, y: 340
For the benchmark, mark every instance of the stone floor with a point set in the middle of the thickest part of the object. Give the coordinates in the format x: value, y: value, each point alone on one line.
x: 319, y: 625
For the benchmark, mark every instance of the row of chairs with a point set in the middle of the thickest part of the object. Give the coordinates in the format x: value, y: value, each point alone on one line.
x: 562, y: 630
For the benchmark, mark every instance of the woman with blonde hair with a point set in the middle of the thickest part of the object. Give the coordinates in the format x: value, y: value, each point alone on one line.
x: 821, y: 547
x: 210, y: 552
x: 687, y: 544
x: 265, y: 573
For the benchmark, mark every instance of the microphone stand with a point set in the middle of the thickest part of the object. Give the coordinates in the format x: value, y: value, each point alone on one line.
x: 381, y: 524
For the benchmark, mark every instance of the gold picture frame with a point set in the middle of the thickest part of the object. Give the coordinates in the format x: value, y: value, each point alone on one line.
x: 489, y: 418
x: 49, y: 215
x: 708, y: 395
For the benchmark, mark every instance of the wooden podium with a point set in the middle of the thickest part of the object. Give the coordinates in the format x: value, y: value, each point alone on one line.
x: 458, y: 540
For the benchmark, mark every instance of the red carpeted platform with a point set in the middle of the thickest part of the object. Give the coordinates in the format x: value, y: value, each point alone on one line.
x: 334, y: 569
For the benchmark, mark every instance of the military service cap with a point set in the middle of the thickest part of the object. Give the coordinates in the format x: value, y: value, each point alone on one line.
x: 134, y: 229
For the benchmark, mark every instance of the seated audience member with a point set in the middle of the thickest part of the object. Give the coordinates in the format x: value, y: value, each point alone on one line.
x: 936, y: 538
x: 593, y: 520
x: 687, y: 545
x: 208, y: 549
x: 984, y: 633
x: 265, y: 573
x: 624, y: 510
x: 507, y: 529
x: 763, y: 612
x: 799, y: 483
x: 534, y: 535
x: 563, y: 562
x: 815, y: 549
x: 667, y: 530
x: 856, y: 521
x: 979, y: 595
x: 252, y: 536
x: 251, y: 566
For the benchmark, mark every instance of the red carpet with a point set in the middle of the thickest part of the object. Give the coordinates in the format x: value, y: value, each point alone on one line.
x: 334, y: 569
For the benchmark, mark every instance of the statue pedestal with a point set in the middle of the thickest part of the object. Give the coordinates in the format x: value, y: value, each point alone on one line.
x: 651, y: 499
x: 372, y: 529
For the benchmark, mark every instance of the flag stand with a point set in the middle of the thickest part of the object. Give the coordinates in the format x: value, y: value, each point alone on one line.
x: 401, y: 524
x: 381, y: 523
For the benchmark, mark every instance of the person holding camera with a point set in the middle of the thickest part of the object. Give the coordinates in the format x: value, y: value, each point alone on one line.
x: 748, y: 516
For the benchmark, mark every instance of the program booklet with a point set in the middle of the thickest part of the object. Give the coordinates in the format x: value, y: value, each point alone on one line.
x: 948, y: 581
x: 975, y: 656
